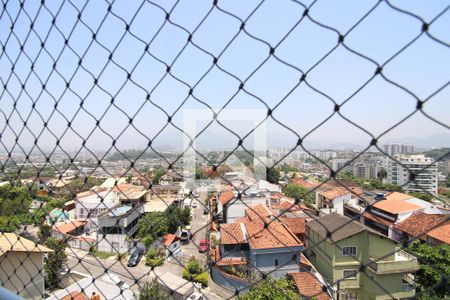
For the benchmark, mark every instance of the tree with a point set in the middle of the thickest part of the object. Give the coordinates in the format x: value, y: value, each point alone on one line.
x: 55, y: 261
x: 195, y: 272
x: 434, y: 269
x: 178, y: 217
x: 151, y: 226
x: 157, y: 174
x: 272, y: 175
x: 299, y: 192
x: 272, y: 289
x: 288, y: 168
x: 15, y: 202
x: 153, y: 291
x: 382, y: 174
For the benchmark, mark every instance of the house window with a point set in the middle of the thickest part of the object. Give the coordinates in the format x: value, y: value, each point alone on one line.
x: 349, y: 274
x: 276, y: 262
x: 349, y: 250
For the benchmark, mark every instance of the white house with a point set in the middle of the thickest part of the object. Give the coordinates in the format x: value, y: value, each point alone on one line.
x: 91, y: 203
x: 332, y: 200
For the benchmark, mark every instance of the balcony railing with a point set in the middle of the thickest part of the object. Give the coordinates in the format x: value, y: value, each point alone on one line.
x: 402, y: 263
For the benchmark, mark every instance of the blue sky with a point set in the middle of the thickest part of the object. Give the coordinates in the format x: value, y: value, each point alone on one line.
x: 422, y: 68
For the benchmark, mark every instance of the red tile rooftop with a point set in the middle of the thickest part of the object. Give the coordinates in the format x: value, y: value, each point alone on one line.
x: 309, y: 286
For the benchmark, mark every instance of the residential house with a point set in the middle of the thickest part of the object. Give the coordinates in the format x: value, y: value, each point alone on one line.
x: 338, y: 247
x: 117, y: 226
x: 132, y: 194
x: 22, y: 266
x: 439, y: 235
x: 233, y: 206
x: 332, y: 200
x: 394, y: 208
x: 171, y: 244
x: 418, y: 226
x: 73, y: 232
x: 91, y: 203
x: 261, y: 240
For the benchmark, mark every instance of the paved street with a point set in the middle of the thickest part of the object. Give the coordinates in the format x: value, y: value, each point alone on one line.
x: 81, y: 262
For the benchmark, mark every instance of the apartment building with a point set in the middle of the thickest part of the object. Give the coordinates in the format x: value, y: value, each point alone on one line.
x: 339, y: 255
x: 398, y: 148
x: 424, y: 170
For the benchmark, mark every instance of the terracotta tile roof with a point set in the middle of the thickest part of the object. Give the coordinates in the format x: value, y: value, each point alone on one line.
x: 296, y: 225
x: 334, y: 192
x: 226, y: 197
x: 341, y: 227
x: 231, y: 234
x: 71, y: 226
x: 309, y: 286
x: 377, y: 219
x: 441, y: 233
x: 168, y: 239
x: 76, y: 295
x: 419, y: 223
x: 304, y: 261
x: 290, y: 206
x: 304, y: 183
x: 16, y: 243
x: 276, y: 235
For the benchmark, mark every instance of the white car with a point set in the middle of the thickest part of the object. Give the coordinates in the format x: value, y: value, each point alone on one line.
x: 194, y: 204
x: 196, y: 296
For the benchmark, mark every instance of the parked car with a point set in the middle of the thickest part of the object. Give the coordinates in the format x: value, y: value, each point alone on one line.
x: 194, y: 204
x: 196, y: 296
x: 203, y: 246
x: 185, y: 235
x: 135, y: 258
x: 206, y: 210
x: 196, y: 194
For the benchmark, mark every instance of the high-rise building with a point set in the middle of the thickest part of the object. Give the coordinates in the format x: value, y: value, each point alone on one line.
x: 425, y: 172
x: 397, y: 148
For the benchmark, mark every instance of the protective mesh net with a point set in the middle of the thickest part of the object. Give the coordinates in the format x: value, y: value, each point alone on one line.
x: 82, y: 81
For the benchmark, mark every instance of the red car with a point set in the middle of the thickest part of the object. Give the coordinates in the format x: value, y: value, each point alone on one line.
x: 203, y: 246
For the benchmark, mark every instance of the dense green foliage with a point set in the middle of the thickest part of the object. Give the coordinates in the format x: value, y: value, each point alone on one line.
x: 272, y: 289
x: 55, y: 261
x: 153, y: 291
x: 299, y: 192
x: 194, y: 272
x: 287, y: 168
x: 178, y: 217
x: 434, y: 269
x: 371, y: 184
x: 156, y: 224
x: 154, y: 258
x: 152, y: 226
x: 15, y: 202
x: 272, y: 175
x: 443, y: 153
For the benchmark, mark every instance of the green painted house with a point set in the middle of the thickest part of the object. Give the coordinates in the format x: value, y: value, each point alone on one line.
x: 358, y: 262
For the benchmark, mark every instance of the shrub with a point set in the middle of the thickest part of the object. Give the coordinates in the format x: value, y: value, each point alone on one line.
x: 202, y: 278
x: 194, y: 267
x: 154, y: 262
x: 151, y: 253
